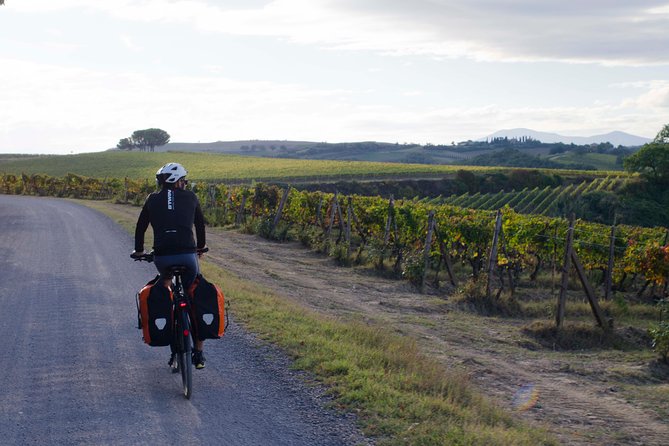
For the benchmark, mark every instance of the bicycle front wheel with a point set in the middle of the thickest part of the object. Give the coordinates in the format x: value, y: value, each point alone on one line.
x: 184, y: 355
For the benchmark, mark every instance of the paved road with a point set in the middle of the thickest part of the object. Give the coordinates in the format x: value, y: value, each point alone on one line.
x: 75, y: 370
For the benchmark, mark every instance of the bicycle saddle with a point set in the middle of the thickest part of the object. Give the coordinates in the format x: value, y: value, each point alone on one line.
x: 178, y: 269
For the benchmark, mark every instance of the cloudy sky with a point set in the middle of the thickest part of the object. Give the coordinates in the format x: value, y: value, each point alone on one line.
x: 78, y: 75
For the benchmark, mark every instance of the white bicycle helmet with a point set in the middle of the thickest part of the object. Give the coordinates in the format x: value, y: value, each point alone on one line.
x: 170, y: 173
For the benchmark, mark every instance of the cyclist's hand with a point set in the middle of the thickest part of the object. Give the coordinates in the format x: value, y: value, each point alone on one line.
x: 137, y: 254
x: 201, y: 251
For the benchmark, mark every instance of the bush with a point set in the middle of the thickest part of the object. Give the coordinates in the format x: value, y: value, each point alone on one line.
x: 472, y: 297
x: 340, y: 253
x: 281, y: 231
x: 414, y: 267
x: 264, y: 228
x: 659, y: 334
x: 309, y: 236
x: 660, y: 340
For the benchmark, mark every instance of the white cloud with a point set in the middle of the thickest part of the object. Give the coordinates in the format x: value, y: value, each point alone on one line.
x: 200, y: 101
x: 617, y: 32
x: 92, y: 110
x: 40, y: 96
x: 655, y: 99
x: 129, y: 43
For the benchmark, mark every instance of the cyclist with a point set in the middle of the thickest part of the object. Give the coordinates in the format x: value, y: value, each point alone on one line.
x: 172, y: 212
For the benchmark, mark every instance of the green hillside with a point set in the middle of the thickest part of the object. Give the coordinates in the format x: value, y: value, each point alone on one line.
x: 214, y: 167
x: 543, y: 201
x: 601, y: 161
x: 534, y: 153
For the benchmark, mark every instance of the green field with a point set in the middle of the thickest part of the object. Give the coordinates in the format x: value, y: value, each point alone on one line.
x: 601, y: 161
x: 212, y: 167
x: 224, y: 167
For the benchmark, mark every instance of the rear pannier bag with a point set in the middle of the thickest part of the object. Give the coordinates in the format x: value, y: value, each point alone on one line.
x: 155, y: 313
x: 208, y: 309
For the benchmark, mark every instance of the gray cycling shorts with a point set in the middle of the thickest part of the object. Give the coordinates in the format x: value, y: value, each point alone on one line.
x: 163, y: 263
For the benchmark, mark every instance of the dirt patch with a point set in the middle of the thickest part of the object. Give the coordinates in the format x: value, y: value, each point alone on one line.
x: 574, y: 396
x: 583, y: 397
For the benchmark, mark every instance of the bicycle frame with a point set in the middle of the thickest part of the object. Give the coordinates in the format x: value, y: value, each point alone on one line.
x: 183, y: 333
x: 184, y: 338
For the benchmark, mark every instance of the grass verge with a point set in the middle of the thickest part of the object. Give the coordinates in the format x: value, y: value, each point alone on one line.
x: 583, y: 336
x: 401, y: 396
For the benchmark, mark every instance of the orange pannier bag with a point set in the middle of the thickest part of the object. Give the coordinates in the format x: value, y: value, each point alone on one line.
x: 208, y: 309
x: 154, y: 304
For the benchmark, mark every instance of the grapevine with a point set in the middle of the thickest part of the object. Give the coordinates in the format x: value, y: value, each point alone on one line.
x: 399, y: 231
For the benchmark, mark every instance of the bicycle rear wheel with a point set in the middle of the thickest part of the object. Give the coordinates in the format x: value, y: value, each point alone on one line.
x: 184, y: 355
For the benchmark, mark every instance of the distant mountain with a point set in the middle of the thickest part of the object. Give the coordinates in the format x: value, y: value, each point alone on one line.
x: 615, y: 138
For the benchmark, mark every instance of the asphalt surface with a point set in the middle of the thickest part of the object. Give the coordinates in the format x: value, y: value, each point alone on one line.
x: 74, y: 368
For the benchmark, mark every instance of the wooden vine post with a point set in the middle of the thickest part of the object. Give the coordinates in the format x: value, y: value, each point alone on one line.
x: 349, y: 212
x: 608, y: 285
x: 211, y: 196
x: 279, y: 211
x: 445, y: 256
x: 333, y: 212
x: 566, y: 267
x: 319, y: 216
x: 228, y: 199
x: 589, y: 291
x: 391, y: 207
x: 492, y: 262
x: 386, y: 236
x: 572, y: 257
x: 341, y: 222
x: 240, y: 212
x: 427, y: 249
x: 397, y: 247
x: 360, y: 229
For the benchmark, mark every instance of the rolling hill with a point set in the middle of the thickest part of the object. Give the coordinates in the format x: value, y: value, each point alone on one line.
x: 530, y: 142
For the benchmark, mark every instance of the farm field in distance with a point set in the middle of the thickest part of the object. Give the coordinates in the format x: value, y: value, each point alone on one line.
x: 207, y: 167
x: 221, y: 168
x: 601, y: 161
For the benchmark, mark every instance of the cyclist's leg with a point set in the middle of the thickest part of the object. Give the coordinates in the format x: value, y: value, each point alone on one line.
x: 193, y: 268
x: 163, y: 264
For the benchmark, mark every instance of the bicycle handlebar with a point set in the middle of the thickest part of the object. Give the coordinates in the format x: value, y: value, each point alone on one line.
x: 149, y: 257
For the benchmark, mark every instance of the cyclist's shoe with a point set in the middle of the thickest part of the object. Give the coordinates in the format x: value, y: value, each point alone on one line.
x: 198, y: 359
x: 173, y: 363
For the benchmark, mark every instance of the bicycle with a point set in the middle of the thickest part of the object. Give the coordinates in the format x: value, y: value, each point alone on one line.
x: 182, y: 343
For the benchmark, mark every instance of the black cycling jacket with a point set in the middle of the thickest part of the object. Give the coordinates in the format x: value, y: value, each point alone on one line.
x: 172, y: 214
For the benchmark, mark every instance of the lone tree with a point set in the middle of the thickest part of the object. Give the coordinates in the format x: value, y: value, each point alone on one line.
x: 652, y: 160
x: 144, y: 140
x: 125, y: 144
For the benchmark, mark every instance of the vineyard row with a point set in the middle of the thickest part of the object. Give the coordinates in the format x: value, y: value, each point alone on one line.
x: 392, y: 233
x: 547, y: 201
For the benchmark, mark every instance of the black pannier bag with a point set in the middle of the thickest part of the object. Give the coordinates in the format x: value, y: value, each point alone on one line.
x: 208, y: 305
x: 156, y: 313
